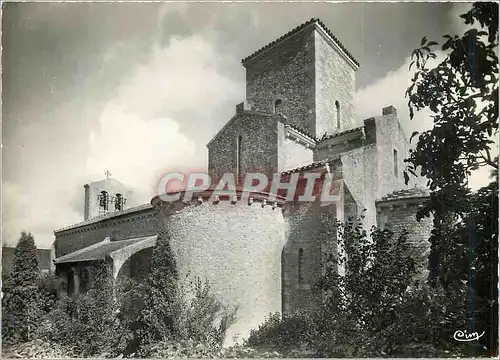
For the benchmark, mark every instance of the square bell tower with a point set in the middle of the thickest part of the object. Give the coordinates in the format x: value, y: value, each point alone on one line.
x: 308, y: 76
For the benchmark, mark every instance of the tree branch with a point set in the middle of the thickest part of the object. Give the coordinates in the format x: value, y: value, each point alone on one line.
x: 488, y: 160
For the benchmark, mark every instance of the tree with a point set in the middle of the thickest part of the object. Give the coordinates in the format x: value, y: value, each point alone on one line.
x: 163, y: 309
x: 161, y: 296
x: 462, y: 94
x: 358, y: 305
x: 20, y: 299
x: 87, y: 321
x: 468, y: 253
x: 379, y: 270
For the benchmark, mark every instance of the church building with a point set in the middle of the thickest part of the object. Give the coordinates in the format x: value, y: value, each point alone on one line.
x: 299, y: 116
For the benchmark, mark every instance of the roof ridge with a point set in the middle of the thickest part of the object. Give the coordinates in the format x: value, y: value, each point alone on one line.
x: 415, y: 192
x: 307, y: 167
x: 302, y: 131
x: 331, y: 136
x: 295, y: 30
x: 110, y: 247
x: 109, y: 215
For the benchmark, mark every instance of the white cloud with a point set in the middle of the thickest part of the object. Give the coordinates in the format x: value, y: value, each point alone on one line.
x: 177, y: 78
x: 390, y: 90
x: 138, y: 139
x: 134, y: 144
x: 135, y: 150
x: 457, y: 24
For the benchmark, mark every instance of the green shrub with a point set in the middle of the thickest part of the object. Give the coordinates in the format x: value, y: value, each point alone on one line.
x: 192, y: 349
x: 47, y: 289
x: 182, y: 349
x: 356, y: 306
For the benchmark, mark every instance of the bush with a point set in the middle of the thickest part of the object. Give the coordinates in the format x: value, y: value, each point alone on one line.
x: 39, y: 349
x: 47, y: 290
x: 192, y: 349
x: 292, y: 332
x: 87, y: 321
x: 203, y: 318
x: 200, y: 321
x: 356, y: 306
x: 182, y: 349
x: 135, y: 318
x: 160, y: 293
x: 165, y: 310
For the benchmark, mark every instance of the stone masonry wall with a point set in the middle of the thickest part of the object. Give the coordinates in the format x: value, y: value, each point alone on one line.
x: 335, y: 81
x: 134, y: 224
x: 368, y: 171
x: 390, y: 137
x: 401, y: 216
x: 258, y: 146
x: 310, y: 229
x: 285, y: 72
x: 237, y: 247
x: 359, y: 174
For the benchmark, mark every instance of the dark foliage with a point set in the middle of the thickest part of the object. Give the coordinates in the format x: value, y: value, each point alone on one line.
x: 462, y: 94
x: 165, y: 311
x: 87, y: 322
x: 157, y: 321
x: 284, y: 334
x: 468, y: 255
x: 20, y: 302
x: 358, y: 305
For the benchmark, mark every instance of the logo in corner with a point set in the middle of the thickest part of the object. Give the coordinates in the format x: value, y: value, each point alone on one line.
x: 460, y: 335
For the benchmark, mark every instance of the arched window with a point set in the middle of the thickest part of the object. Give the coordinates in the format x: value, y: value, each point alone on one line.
x: 238, y: 159
x: 337, y: 107
x: 395, y: 159
x: 301, y: 267
x: 103, y: 200
x: 118, y: 202
x: 278, y: 106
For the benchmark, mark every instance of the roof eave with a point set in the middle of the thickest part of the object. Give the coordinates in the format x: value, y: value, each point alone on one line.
x: 322, y: 29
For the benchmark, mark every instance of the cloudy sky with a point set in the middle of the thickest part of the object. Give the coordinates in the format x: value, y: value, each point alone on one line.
x: 140, y: 88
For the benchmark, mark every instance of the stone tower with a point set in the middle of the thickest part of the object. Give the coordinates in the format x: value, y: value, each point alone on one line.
x: 299, y: 88
x: 308, y: 76
x: 106, y: 196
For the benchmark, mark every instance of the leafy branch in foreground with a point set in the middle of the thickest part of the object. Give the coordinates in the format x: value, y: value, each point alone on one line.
x: 461, y: 93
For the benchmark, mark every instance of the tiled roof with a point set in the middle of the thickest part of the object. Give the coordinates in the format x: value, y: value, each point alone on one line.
x: 101, y: 249
x: 326, y: 137
x: 298, y: 28
x: 105, y: 217
x: 306, y: 167
x: 406, y: 194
